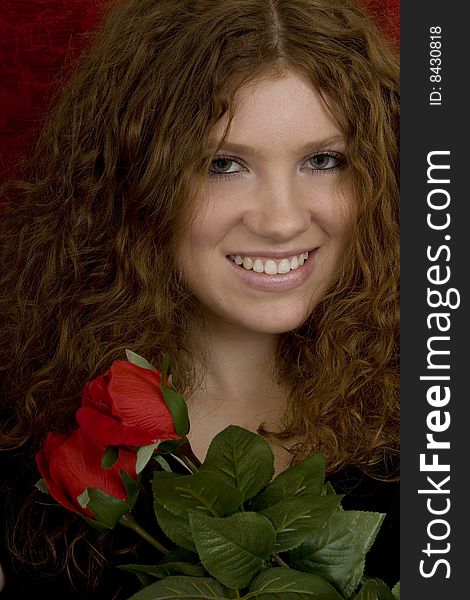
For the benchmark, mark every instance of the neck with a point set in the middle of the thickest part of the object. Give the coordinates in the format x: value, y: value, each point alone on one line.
x: 238, y: 385
x: 238, y: 361
x: 241, y: 361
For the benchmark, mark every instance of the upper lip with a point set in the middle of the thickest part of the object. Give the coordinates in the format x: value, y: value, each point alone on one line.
x: 275, y: 255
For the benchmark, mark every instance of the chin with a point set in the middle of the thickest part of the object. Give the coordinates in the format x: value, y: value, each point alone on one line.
x: 274, y: 323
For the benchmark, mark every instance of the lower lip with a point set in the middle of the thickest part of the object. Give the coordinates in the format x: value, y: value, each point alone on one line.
x: 276, y: 283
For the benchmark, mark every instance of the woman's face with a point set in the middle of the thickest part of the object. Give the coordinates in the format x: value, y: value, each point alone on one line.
x: 272, y: 223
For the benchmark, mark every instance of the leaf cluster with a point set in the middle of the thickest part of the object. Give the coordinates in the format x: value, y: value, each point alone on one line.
x: 239, y: 533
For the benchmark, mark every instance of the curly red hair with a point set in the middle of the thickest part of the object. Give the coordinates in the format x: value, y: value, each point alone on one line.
x: 88, y: 237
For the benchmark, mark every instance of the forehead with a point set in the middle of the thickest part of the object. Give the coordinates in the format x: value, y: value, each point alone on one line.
x: 279, y: 112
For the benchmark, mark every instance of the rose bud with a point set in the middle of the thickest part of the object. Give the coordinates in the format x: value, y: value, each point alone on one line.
x: 70, y: 465
x: 126, y: 407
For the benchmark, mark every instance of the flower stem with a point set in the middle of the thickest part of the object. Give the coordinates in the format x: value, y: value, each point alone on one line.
x: 129, y: 521
x: 188, y: 462
x: 279, y: 561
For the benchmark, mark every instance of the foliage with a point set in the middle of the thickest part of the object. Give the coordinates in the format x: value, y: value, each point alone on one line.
x: 235, y: 532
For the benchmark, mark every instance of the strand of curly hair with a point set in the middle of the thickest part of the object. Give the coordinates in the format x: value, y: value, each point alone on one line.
x: 88, y: 236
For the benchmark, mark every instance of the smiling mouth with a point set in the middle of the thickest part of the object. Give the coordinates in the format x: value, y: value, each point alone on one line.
x: 269, y: 266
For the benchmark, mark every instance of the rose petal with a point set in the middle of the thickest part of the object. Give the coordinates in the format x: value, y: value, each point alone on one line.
x: 107, y: 431
x: 125, y: 406
x: 71, y: 463
x: 138, y: 400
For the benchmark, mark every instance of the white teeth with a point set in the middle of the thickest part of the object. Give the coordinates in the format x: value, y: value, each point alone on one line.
x: 294, y: 262
x: 283, y: 266
x: 269, y: 266
x: 258, y: 266
x: 247, y: 263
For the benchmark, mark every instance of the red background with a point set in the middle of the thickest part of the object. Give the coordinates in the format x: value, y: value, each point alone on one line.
x: 40, y: 38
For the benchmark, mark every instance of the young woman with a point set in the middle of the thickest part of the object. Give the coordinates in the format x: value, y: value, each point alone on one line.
x: 218, y: 180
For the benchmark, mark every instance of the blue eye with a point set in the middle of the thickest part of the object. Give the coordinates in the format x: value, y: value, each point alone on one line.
x: 325, y: 161
x: 224, y: 165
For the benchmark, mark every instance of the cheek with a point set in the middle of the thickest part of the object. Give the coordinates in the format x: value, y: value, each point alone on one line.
x: 199, y: 247
x: 346, y: 227
x: 344, y: 218
x: 196, y: 239
x: 215, y: 222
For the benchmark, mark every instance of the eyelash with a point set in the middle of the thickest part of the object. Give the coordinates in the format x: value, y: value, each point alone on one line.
x: 226, y: 175
x: 339, y: 156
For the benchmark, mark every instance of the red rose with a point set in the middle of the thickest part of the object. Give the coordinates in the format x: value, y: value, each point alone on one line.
x: 125, y: 407
x: 71, y: 463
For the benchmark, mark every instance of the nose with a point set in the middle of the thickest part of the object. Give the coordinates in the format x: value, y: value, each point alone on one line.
x: 278, y: 211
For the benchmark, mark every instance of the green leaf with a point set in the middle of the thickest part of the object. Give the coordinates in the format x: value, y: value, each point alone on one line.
x: 138, y: 360
x: 303, y: 479
x: 374, y: 589
x: 144, y: 579
x: 106, y: 509
x: 176, y: 404
x: 144, y: 454
x: 132, y: 487
x: 233, y: 549
x: 175, y: 528
x: 328, y: 489
x: 396, y: 591
x: 184, y: 588
x: 98, y: 525
x: 385, y: 592
x: 297, y: 519
x: 165, y: 570
x: 368, y: 591
x: 163, y: 463
x: 180, y: 555
x: 287, y: 584
x: 42, y: 486
x: 169, y: 446
x: 337, y: 550
x: 244, y: 459
x: 203, y: 492
x: 110, y: 457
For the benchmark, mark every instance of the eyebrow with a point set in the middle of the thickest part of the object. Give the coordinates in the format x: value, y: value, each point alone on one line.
x: 308, y: 148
